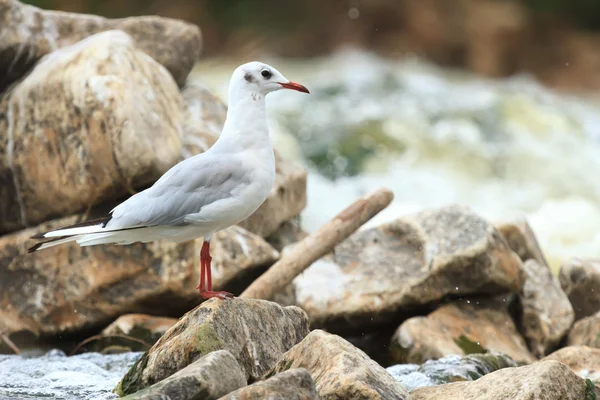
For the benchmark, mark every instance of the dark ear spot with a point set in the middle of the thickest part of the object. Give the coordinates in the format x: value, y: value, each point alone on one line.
x: 249, y: 78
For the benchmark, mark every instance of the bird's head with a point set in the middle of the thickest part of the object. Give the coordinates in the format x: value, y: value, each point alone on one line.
x: 258, y: 77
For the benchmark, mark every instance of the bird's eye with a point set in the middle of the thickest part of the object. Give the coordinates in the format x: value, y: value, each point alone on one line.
x: 266, y: 73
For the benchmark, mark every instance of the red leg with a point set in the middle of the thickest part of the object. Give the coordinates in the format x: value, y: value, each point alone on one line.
x: 205, y: 259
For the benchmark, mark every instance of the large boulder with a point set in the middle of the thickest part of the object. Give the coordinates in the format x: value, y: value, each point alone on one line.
x: 586, y: 332
x: 255, y: 332
x: 470, y: 326
x: 546, y: 313
x: 69, y: 288
x: 340, y: 370
x: 28, y: 33
x: 548, y: 380
x: 295, y: 384
x: 413, y: 262
x: 90, y: 122
x: 580, y: 279
x: 207, y: 378
x: 583, y: 360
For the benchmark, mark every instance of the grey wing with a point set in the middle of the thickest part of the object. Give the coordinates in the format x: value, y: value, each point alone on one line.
x: 187, y: 187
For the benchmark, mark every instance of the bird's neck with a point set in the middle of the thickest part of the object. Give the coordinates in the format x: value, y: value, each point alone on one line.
x: 246, y: 124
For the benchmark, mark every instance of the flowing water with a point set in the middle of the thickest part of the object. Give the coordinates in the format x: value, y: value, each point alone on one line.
x: 509, y: 148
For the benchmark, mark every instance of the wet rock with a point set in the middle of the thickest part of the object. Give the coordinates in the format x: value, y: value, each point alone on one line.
x: 29, y: 33
x: 295, y: 384
x: 586, y: 332
x: 255, y: 332
x: 583, y: 360
x: 580, y: 279
x: 522, y: 240
x: 340, y: 370
x: 548, y: 380
x: 449, y: 369
x: 546, y: 313
x: 412, y: 262
x: 69, y: 288
x: 459, y: 328
x: 91, y: 121
x: 207, y: 378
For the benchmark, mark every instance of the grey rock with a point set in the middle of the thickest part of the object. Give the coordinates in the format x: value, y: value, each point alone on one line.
x: 583, y: 360
x: 522, y: 240
x: 255, y: 332
x: 28, y: 33
x: 412, y: 262
x: 548, y: 380
x: 340, y: 370
x: 459, y: 328
x: 449, y: 369
x: 580, y: 279
x: 295, y: 384
x: 546, y: 313
x: 207, y: 378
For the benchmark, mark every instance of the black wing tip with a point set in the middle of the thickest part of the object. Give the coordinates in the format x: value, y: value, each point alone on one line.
x: 34, y: 247
x: 39, y: 235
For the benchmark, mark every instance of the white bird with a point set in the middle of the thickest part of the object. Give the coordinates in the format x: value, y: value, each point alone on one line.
x: 202, y: 194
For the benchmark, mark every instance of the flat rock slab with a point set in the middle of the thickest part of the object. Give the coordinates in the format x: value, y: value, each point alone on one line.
x: 88, y: 123
x: 295, y: 384
x: 413, y: 262
x: 207, y: 378
x: 28, y: 33
x: 459, y: 328
x: 255, y: 332
x: 583, y: 360
x: 586, y: 332
x: 580, y: 279
x: 69, y: 288
x: 522, y: 240
x: 449, y: 369
x: 546, y: 313
x: 340, y: 370
x: 548, y: 380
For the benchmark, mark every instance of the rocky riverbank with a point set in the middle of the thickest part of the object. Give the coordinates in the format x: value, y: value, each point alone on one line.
x: 437, y: 304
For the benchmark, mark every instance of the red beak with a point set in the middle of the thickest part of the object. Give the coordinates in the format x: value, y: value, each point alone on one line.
x: 294, y: 86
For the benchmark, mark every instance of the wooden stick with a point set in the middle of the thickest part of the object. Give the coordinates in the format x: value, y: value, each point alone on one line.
x: 10, y: 343
x: 302, y: 254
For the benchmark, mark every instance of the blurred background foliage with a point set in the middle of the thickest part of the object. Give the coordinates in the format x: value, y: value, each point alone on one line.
x: 556, y: 40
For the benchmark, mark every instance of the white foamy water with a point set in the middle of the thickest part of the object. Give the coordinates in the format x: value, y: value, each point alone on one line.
x: 90, y: 376
x: 508, y: 148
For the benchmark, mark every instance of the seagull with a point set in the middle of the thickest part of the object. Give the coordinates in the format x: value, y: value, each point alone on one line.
x: 202, y: 194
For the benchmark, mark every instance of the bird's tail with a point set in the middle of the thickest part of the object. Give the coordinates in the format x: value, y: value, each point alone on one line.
x: 69, y: 233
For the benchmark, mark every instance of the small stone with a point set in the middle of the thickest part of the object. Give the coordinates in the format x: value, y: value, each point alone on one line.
x: 546, y: 313
x: 449, y: 369
x: 68, y: 288
x: 586, y: 332
x: 29, y: 33
x: 459, y: 328
x: 340, y: 370
x: 295, y: 384
x: 413, y: 262
x: 208, y: 378
x: 548, y: 380
x: 580, y: 279
x: 287, y: 234
x: 583, y: 360
x: 522, y: 240
x: 255, y: 332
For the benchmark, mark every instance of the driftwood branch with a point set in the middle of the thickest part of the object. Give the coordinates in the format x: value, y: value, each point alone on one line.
x: 302, y: 254
x: 10, y: 343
